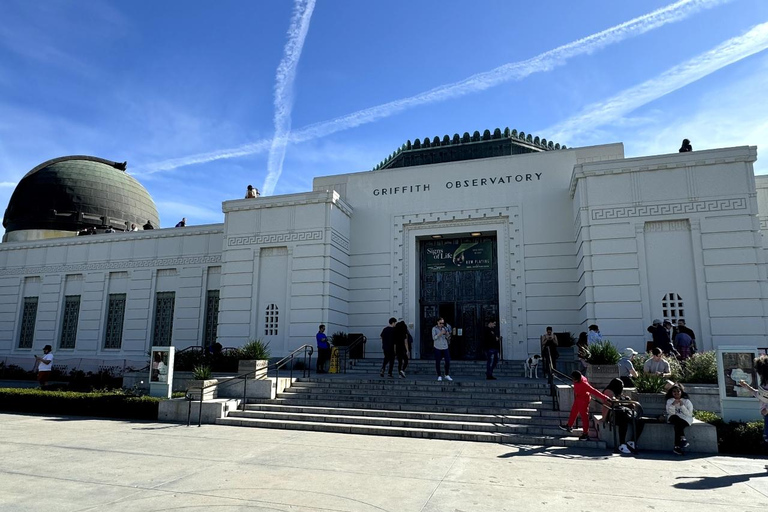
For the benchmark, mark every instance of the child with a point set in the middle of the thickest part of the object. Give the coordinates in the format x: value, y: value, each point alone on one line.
x: 582, y: 390
x: 761, y: 392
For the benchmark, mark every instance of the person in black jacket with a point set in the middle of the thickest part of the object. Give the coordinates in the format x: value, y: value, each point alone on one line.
x: 491, y: 346
x: 402, y: 347
x: 661, y: 337
x: 549, y: 350
x: 685, y: 147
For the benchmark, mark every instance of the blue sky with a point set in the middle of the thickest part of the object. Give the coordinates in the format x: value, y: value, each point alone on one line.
x: 203, y: 98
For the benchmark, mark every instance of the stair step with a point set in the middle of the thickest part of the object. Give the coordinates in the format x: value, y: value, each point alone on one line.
x: 443, y: 408
x: 428, y: 433
x: 435, y: 400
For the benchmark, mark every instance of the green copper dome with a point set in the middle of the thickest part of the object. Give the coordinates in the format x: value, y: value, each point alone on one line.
x: 77, y: 192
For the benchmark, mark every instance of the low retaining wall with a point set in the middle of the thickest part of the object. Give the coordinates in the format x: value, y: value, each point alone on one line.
x: 176, y: 410
x: 661, y: 436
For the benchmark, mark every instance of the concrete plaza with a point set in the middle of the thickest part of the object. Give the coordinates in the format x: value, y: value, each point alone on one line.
x: 83, y: 464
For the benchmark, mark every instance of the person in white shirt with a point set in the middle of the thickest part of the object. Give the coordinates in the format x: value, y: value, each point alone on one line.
x: 440, y: 337
x: 44, y: 366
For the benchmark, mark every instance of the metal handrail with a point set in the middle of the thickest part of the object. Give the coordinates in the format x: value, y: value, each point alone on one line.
x: 346, y: 349
x: 307, y: 350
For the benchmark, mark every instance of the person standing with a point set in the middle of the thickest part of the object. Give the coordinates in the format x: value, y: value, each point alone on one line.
x: 440, y: 337
x: 388, y: 346
x: 549, y: 350
x: 761, y: 391
x: 594, y: 335
x: 44, y: 366
x: 323, y: 349
x: 660, y: 336
x: 401, y: 347
x: 491, y: 346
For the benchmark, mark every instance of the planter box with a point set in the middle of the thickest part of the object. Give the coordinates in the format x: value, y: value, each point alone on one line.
x: 193, y: 389
x: 654, y: 404
x: 251, y: 365
x: 600, y: 375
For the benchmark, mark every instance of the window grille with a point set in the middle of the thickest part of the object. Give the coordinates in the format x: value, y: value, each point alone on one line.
x: 672, y: 307
x: 28, y: 317
x: 271, y: 320
x: 164, y: 305
x: 69, y: 321
x: 211, y: 317
x: 113, y: 337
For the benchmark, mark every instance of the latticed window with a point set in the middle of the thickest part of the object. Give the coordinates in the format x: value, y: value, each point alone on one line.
x: 271, y: 320
x: 69, y: 323
x: 164, y: 304
x: 28, y: 317
x: 211, y: 317
x: 115, y: 315
x: 672, y: 307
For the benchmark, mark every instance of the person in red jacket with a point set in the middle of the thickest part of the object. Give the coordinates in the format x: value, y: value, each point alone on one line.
x: 582, y: 390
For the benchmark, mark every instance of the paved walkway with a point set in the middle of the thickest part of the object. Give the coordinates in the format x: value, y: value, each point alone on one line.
x: 82, y: 464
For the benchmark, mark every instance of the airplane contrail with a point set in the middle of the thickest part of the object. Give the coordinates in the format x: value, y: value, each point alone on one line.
x: 284, y: 79
x: 546, y: 61
x: 724, y: 54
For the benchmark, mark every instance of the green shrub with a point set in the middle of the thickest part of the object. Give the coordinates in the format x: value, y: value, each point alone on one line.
x: 255, y: 349
x: 186, y: 360
x: 603, y: 352
x: 201, y: 372
x: 648, y: 383
x: 736, y: 437
x: 701, y: 368
x: 106, y: 404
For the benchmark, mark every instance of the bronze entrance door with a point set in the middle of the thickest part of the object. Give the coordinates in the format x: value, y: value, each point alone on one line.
x: 458, y: 280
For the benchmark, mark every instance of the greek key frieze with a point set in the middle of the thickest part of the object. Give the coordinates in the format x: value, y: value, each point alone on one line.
x: 339, y: 240
x: 111, y: 265
x: 651, y: 210
x: 276, y: 238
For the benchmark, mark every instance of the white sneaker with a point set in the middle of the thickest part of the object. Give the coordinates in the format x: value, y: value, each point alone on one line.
x: 624, y: 449
x: 440, y: 379
x: 448, y: 378
x: 631, y: 445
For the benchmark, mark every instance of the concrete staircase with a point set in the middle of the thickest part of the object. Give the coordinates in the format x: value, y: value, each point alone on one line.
x: 515, y: 411
x: 475, y: 369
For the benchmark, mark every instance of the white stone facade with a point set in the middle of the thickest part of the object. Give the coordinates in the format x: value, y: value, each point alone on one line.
x: 583, y: 236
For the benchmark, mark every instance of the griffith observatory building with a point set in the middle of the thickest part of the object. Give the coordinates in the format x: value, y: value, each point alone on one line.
x: 500, y: 225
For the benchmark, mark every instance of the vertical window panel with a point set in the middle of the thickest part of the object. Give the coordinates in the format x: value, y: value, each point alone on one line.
x: 113, y: 337
x: 163, y: 329
x: 69, y: 321
x: 28, y: 317
x: 211, y: 317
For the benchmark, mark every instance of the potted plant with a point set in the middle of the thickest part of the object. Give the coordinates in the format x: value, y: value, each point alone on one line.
x: 602, y: 362
x: 254, y: 356
x: 649, y: 391
x: 201, y: 376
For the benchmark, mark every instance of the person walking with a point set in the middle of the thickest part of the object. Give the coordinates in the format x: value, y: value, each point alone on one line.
x: 582, y: 392
x: 44, y: 366
x: 388, y: 346
x: 549, y: 351
x: 492, y: 346
x: 401, y: 347
x: 323, y: 349
x: 441, y: 338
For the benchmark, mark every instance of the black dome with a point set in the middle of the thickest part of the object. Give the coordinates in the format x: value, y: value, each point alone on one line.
x: 76, y: 192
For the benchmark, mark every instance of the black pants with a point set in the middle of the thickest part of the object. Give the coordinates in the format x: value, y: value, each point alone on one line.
x: 323, y: 356
x: 680, y: 424
x: 389, y: 358
x: 402, y: 360
x: 623, y: 420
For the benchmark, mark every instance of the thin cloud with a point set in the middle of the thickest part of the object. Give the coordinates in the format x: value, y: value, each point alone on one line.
x: 286, y: 74
x: 611, y: 110
x: 546, y: 61
x: 7, y: 184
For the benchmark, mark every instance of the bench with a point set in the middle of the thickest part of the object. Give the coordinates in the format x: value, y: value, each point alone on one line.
x: 661, y: 436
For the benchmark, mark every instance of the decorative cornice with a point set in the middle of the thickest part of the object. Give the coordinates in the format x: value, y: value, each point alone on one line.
x: 111, y: 265
x: 340, y: 240
x: 275, y: 238
x: 667, y: 225
x: 651, y: 210
x: 303, y: 198
x: 208, y: 229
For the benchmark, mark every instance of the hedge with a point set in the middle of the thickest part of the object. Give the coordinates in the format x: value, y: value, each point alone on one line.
x: 104, y: 404
x: 736, y: 437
